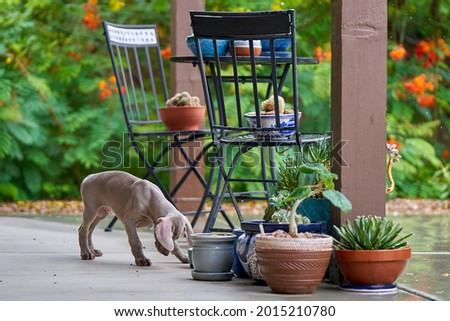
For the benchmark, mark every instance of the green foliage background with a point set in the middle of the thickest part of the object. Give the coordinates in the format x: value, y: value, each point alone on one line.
x: 54, y: 123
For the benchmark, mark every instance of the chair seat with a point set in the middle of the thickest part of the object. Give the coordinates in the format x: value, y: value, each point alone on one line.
x: 169, y: 133
x: 251, y: 140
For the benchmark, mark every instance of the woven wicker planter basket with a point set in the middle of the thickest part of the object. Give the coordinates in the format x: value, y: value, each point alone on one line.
x: 294, y: 266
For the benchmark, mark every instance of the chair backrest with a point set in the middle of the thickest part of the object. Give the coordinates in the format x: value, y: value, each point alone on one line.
x: 236, y: 85
x: 139, y: 71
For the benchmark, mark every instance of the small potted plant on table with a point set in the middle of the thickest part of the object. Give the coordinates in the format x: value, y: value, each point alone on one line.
x: 183, y: 112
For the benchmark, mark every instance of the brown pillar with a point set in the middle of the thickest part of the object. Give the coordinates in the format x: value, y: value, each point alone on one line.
x: 358, y: 104
x: 184, y: 77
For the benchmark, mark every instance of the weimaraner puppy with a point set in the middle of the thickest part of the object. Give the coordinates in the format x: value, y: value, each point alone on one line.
x: 137, y: 203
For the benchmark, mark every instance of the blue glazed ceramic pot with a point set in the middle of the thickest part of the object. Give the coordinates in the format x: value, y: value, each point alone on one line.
x: 280, y: 44
x: 269, y: 121
x: 207, y: 46
x: 237, y: 267
x: 316, y: 209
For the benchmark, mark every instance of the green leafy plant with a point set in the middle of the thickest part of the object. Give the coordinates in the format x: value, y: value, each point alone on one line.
x: 370, y: 233
x: 290, y: 177
x: 319, y: 152
x: 324, y: 186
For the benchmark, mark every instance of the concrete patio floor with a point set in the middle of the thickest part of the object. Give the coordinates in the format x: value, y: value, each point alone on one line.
x: 40, y: 261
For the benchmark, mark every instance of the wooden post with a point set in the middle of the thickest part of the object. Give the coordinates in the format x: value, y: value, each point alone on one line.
x: 358, y: 104
x: 184, y: 77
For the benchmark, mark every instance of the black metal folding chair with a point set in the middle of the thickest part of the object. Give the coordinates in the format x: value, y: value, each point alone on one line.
x: 141, y: 82
x: 235, y: 86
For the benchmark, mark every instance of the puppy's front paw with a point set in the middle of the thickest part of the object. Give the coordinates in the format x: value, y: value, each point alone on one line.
x: 87, y: 255
x: 184, y: 259
x: 97, y: 252
x: 143, y: 261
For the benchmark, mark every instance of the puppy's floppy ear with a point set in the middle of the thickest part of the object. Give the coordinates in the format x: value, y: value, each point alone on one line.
x: 163, y: 233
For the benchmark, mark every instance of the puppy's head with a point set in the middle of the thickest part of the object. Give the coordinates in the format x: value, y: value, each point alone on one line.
x: 169, y: 229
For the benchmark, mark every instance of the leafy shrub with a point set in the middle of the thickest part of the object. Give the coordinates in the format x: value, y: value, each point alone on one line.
x: 59, y: 106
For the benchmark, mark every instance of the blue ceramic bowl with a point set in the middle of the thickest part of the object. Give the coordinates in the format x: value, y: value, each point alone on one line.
x: 269, y: 121
x: 207, y: 46
x: 280, y: 44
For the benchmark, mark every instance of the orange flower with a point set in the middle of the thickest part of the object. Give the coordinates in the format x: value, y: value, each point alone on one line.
x: 422, y: 48
x: 426, y: 100
x: 431, y: 51
x: 409, y: 86
x: 105, y: 94
x: 102, y: 85
x: 419, y: 85
x: 398, y: 53
x: 445, y: 153
x: 322, y: 54
x: 165, y: 53
x: 91, y: 19
x: 112, y: 79
x: 319, y: 54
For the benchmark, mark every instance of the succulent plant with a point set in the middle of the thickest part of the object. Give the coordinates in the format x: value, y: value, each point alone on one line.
x: 268, y: 105
x: 370, y: 233
x: 283, y: 216
x: 319, y: 152
x: 183, y: 99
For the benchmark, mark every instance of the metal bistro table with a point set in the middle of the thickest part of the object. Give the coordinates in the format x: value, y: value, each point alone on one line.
x: 283, y: 64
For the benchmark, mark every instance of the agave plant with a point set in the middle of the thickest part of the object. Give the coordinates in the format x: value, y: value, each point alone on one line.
x: 370, y: 233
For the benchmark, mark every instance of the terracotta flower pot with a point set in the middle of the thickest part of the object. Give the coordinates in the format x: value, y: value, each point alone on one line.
x: 245, y: 245
x: 183, y: 118
x: 293, y: 266
x: 243, y: 47
x: 372, y: 267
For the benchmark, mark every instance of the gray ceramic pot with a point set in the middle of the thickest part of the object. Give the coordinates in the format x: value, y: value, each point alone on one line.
x: 212, y: 253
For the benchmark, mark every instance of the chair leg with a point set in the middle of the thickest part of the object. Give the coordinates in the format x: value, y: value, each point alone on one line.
x: 220, y: 193
x: 111, y: 224
x: 207, y: 184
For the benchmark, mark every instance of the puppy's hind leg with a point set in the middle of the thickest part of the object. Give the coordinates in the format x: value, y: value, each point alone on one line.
x: 91, y: 217
x: 98, y: 218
